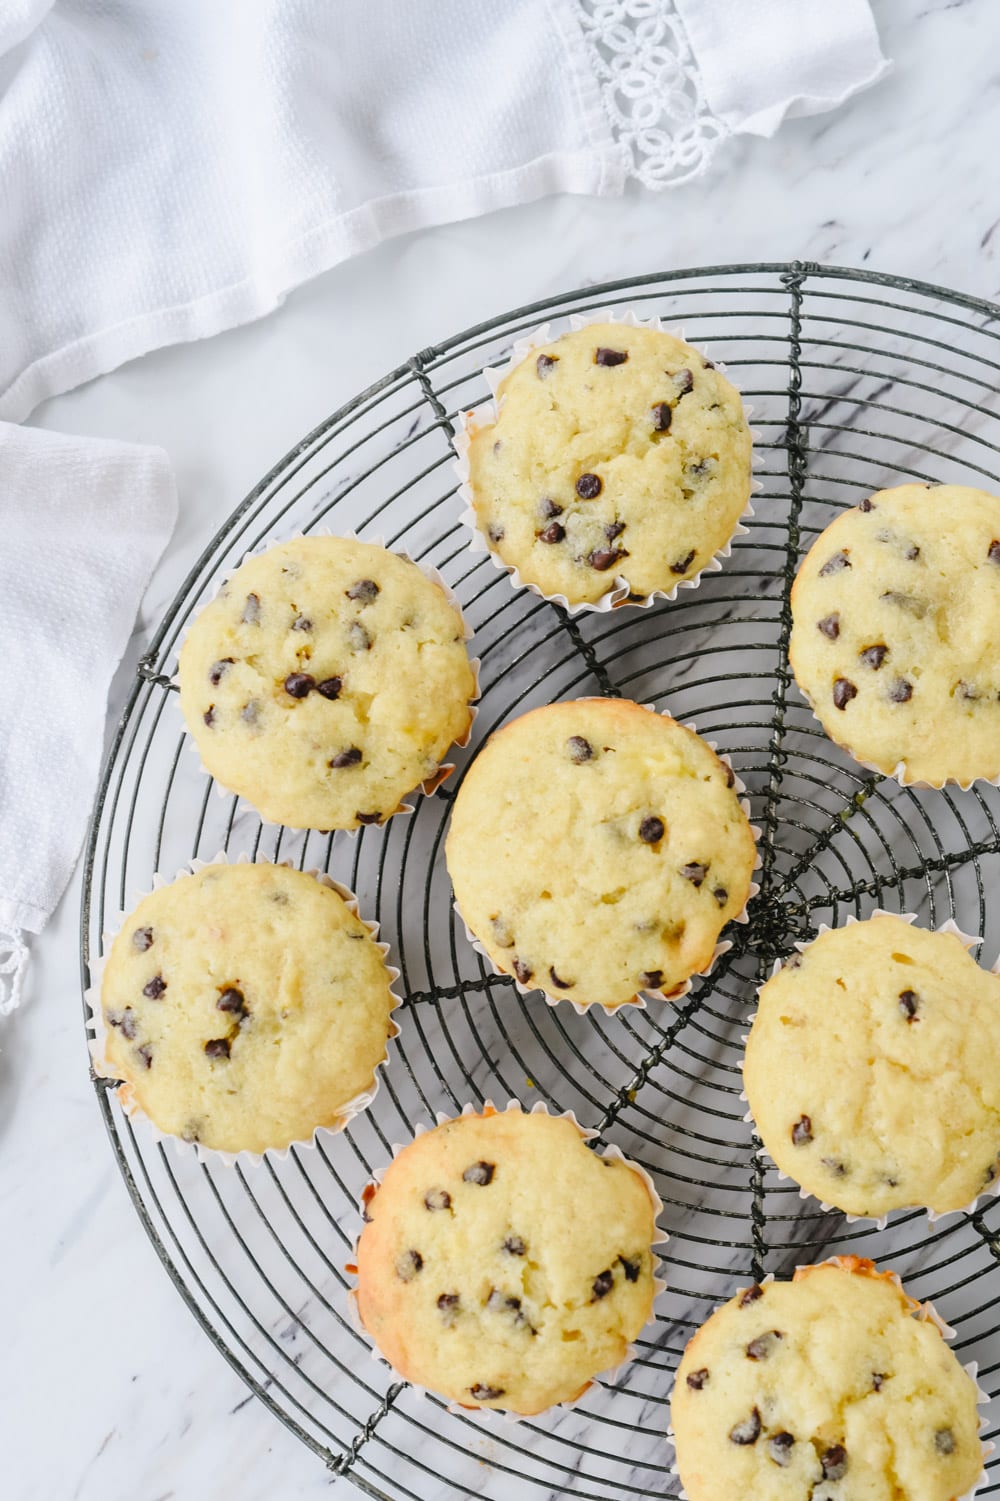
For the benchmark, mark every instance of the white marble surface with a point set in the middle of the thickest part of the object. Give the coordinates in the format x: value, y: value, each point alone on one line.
x: 107, y: 1387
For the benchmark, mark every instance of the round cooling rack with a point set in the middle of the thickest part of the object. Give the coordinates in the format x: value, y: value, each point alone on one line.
x: 857, y: 381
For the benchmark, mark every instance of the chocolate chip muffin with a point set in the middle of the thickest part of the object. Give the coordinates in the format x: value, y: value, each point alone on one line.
x: 244, y: 1006
x: 873, y: 1069
x: 832, y: 1386
x: 619, y: 461
x: 326, y: 681
x: 597, y: 849
x: 468, y: 1280
x: 896, y: 609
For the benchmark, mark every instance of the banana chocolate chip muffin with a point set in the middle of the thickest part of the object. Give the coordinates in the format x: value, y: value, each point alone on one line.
x: 597, y: 849
x: 896, y: 610
x: 619, y: 460
x: 244, y: 1006
x: 469, y: 1280
x: 873, y: 1069
x: 325, y: 681
x: 832, y: 1386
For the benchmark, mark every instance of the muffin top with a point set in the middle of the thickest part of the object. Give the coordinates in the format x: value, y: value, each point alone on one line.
x: 896, y: 612
x: 326, y: 681
x: 480, y: 1279
x: 245, y: 1005
x: 620, y: 460
x: 832, y: 1386
x: 873, y: 1069
x: 597, y: 849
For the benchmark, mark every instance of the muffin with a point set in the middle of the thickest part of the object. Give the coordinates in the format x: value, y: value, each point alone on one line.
x: 325, y: 681
x: 244, y: 1006
x: 619, y: 462
x: 480, y: 1279
x: 597, y: 849
x: 873, y: 1069
x: 896, y: 612
x: 832, y: 1386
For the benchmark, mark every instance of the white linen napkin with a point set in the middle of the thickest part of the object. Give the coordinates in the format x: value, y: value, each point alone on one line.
x: 171, y: 168
x: 83, y: 523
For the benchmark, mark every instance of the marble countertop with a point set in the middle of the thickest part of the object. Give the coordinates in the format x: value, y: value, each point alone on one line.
x: 108, y: 1389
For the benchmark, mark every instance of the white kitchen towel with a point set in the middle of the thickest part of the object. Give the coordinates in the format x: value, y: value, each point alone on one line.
x: 82, y: 524
x: 171, y: 168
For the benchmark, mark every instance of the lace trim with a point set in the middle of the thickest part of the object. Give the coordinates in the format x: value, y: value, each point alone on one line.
x: 652, y: 89
x: 13, y: 963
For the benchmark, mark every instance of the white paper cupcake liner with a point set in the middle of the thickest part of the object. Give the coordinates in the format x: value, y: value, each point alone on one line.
x: 430, y: 785
x: 970, y: 941
x: 924, y: 1311
x: 640, y: 1000
x: 608, y: 1377
x: 105, y: 1070
x: 487, y: 413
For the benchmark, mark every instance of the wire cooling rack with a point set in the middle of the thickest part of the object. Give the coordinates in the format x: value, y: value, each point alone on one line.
x: 857, y: 381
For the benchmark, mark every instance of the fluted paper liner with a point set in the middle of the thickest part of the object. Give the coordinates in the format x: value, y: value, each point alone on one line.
x: 924, y: 1311
x: 430, y: 784
x: 991, y: 1190
x: 660, y: 1238
x: 640, y: 999
x: 96, y: 1024
x: 487, y: 412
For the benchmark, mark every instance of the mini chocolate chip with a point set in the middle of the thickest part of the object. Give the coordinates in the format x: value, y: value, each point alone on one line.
x: 499, y: 1302
x: 480, y: 1173
x: 610, y: 356
x: 843, y: 691
x: 209, y: 715
x: 683, y: 564
x: 486, y: 1393
x: 967, y: 691
x: 602, y: 1284
x: 218, y: 1047
x: 890, y: 1182
x: 514, y: 1246
x: 125, y: 1020
x: 553, y: 533
x: 495, y: 533
x: 298, y: 684
x: 142, y: 939
x: 146, y: 1054
x: 793, y: 962
x: 684, y: 381
x: 652, y: 829
x: 349, y: 757
x: 437, y: 1198
x: 549, y: 508
x: 990, y: 1173
x: 358, y: 637
x: 630, y: 1268
x: 699, y: 470
x: 901, y: 691
x: 232, y: 1001
x: 614, y: 530
x: 802, y: 1131
x: 662, y: 417
x: 750, y: 1295
x: 408, y: 1264
x: 909, y: 1003
x: 603, y: 558
x: 993, y: 551
x: 302, y: 623
x: 330, y: 687
x: 694, y: 872
x: 579, y: 750
x: 779, y: 1447
x: 707, y: 365
x: 834, y: 1462
x: 652, y: 979
x: 250, y: 712
x: 915, y: 607
x: 829, y: 625
x: 763, y: 1346
x: 448, y: 1302
x: 251, y: 610
x: 912, y: 553
x: 874, y: 656
x: 502, y: 933
x: 878, y: 1381
x: 944, y: 1441
x: 217, y: 671
x: 730, y: 775
x: 560, y: 984
x: 866, y: 505
x: 696, y: 1380
x: 589, y: 486
x: 747, y: 1432
x: 544, y: 363
x: 364, y: 591
x: 155, y: 987
x: 721, y: 895
x: 836, y: 1167
x: 835, y: 564
x: 523, y: 971
x: 368, y: 818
